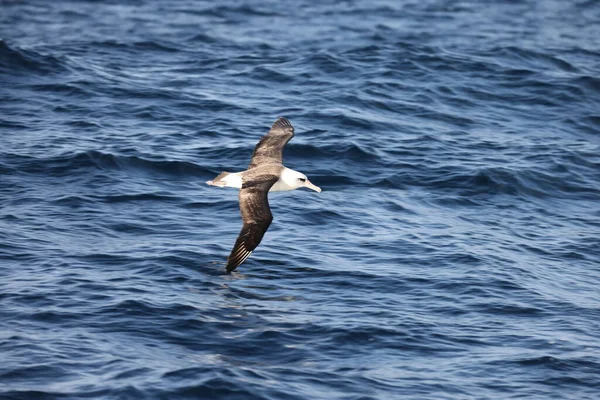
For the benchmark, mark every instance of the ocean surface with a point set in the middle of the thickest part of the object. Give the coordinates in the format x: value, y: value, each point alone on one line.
x: 454, y: 252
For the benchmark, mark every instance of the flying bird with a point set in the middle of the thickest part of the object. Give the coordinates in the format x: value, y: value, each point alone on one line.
x: 266, y: 173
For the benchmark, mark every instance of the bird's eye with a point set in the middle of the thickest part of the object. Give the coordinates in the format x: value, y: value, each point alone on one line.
x: 302, y: 179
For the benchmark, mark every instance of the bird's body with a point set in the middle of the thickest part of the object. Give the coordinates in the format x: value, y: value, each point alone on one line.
x: 265, y: 174
x: 287, y: 177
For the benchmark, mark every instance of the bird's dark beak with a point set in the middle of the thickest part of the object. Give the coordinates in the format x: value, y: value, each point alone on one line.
x: 311, y: 186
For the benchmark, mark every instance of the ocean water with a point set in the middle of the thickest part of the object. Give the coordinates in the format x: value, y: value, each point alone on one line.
x: 454, y: 252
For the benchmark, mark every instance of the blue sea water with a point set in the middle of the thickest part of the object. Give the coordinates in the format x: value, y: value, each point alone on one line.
x: 454, y: 252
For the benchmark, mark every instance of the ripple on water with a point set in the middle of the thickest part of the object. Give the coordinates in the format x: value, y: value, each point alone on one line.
x: 451, y: 254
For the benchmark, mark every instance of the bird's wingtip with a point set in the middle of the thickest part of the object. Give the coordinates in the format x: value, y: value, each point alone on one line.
x: 282, y: 122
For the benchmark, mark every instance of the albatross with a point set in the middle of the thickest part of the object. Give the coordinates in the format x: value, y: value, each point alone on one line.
x: 266, y: 173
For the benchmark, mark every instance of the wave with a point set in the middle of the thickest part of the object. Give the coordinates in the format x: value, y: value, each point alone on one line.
x: 329, y: 165
x: 17, y: 61
x: 71, y: 163
x: 232, y: 12
x: 144, y: 46
x: 523, y: 57
x: 496, y: 181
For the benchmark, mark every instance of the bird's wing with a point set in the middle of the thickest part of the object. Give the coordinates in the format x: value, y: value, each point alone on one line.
x: 269, y: 149
x: 256, y: 216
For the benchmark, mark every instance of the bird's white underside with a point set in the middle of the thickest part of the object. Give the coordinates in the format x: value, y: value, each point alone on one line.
x: 288, y: 180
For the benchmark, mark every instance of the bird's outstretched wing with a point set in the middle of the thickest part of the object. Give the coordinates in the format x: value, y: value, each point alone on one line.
x: 256, y: 216
x: 269, y: 149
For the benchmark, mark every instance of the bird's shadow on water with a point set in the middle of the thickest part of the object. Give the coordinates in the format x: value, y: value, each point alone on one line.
x: 257, y: 280
x: 217, y: 269
x: 211, y: 268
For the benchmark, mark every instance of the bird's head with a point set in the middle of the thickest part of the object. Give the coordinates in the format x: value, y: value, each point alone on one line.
x: 297, y: 180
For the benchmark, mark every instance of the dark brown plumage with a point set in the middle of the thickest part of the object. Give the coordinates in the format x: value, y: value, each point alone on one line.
x: 270, y: 147
x: 264, y: 169
x: 256, y: 217
x: 265, y: 173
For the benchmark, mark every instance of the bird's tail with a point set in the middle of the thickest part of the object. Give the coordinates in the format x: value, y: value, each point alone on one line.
x: 227, y: 179
x: 219, y: 181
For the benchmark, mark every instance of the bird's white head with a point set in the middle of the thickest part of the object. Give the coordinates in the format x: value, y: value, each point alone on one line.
x: 291, y: 180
